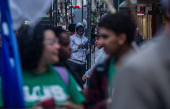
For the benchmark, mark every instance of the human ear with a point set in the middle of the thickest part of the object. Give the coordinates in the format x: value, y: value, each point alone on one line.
x: 122, y: 39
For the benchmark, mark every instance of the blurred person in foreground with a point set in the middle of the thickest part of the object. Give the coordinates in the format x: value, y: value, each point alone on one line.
x: 117, y: 32
x: 143, y: 82
x: 78, y: 56
x: 100, y: 56
x: 65, y: 53
x: 67, y: 31
x: 42, y: 83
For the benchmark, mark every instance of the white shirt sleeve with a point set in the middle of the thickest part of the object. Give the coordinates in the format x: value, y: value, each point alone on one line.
x: 100, y: 57
x: 74, y: 47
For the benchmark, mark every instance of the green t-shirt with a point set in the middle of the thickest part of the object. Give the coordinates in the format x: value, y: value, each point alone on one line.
x: 112, y: 72
x: 111, y: 77
x: 38, y: 87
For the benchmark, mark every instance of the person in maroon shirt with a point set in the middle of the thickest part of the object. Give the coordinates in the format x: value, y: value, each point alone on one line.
x: 117, y: 32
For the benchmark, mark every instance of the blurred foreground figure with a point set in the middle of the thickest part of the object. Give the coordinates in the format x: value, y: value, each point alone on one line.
x: 44, y: 86
x: 65, y: 53
x: 143, y: 82
x: 116, y: 32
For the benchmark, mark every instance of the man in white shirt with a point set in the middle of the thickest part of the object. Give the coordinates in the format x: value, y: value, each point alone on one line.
x: 99, y: 58
x: 78, y: 55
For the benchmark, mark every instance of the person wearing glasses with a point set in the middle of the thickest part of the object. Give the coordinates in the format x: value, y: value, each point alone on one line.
x: 43, y: 85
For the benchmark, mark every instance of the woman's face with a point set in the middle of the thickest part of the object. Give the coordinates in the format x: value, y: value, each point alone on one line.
x: 51, y: 48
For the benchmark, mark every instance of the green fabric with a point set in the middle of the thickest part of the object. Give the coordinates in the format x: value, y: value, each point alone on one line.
x: 112, y: 72
x: 49, y: 84
x: 1, y: 102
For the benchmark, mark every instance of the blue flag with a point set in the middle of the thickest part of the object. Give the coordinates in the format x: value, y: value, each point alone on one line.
x: 11, y: 73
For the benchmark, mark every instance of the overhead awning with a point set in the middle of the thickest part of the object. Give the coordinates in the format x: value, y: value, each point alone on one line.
x: 147, y: 1
x: 135, y: 2
x: 125, y: 3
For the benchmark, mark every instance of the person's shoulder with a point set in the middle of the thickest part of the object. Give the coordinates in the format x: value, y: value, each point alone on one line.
x: 72, y: 36
x: 84, y: 37
x: 142, y: 61
x: 70, y: 76
x: 102, y: 50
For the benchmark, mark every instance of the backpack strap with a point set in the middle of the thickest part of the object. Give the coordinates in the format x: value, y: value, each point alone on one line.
x: 63, y: 74
x: 102, y: 69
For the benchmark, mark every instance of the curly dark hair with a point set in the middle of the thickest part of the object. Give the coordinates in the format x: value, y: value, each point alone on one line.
x: 120, y: 23
x: 58, y: 31
x: 72, y: 27
x: 31, y: 46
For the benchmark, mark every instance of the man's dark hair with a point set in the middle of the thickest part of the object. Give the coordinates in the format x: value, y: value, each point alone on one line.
x: 58, y: 31
x: 72, y: 27
x: 80, y: 26
x: 94, y: 35
x: 31, y: 46
x: 120, y: 23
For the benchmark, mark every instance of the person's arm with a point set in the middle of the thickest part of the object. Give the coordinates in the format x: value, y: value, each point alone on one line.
x: 88, y: 73
x: 75, y: 95
x: 75, y: 98
x: 98, y: 59
x: 74, y: 47
x: 94, y: 94
x: 134, y: 89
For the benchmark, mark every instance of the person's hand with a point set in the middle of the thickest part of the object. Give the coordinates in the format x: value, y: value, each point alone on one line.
x: 37, y: 106
x: 68, y: 105
x: 84, y: 78
x: 87, y: 47
x: 108, y: 103
x: 80, y: 46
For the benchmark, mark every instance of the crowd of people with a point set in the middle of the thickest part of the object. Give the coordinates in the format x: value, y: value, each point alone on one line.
x: 54, y: 66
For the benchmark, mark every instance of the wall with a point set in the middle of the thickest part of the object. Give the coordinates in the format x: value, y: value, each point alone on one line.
x: 144, y: 25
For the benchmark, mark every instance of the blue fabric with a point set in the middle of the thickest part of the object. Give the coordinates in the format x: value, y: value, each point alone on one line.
x: 11, y: 72
x: 85, y: 31
x: 93, y: 41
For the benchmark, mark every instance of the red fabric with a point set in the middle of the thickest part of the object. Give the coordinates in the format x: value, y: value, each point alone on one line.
x: 96, y: 94
x: 74, y: 33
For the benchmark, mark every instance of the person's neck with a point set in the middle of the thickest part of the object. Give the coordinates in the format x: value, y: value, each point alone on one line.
x: 41, y: 68
x: 99, y: 48
x: 121, y: 53
x: 62, y: 60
